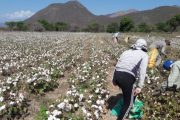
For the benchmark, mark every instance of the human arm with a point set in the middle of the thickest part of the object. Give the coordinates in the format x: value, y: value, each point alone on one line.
x: 142, y: 71
x: 163, y: 50
x: 158, y: 60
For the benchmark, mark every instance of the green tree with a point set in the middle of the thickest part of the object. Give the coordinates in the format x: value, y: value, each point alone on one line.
x: 126, y: 24
x: 11, y: 25
x: 93, y: 27
x: 112, y: 28
x: 21, y: 26
x: 61, y: 26
x: 162, y: 26
x: 174, y: 22
x: 48, y: 26
x: 143, y: 27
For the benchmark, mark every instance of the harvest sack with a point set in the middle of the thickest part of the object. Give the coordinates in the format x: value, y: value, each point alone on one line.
x: 153, y: 54
x: 135, y: 112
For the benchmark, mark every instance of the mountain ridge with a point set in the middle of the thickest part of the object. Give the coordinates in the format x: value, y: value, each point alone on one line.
x: 75, y: 14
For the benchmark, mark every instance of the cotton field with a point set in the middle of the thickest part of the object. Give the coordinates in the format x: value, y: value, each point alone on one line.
x: 64, y: 76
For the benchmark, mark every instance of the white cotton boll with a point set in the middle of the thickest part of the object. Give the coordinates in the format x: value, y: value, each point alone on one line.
x: 73, y: 81
x: 76, y: 105
x: 107, y: 96
x: 8, y: 88
x: 81, y: 97
x: 12, y: 103
x: 1, y: 99
x: 69, y: 92
x: 90, y: 96
x: 51, y: 106
x: 12, y: 94
x: 2, y: 107
x: 94, y: 106
x: 97, y: 90
x: 148, y: 81
x: 48, y: 79
x: 51, y: 117
x: 56, y: 112
x: 68, y: 107
x: 47, y: 112
x: 88, y: 114
x: 102, y: 102
x: 156, y: 78
x: 61, y: 105
x: 14, y: 83
x: 96, y: 114
x: 4, y: 89
x: 29, y: 80
x: 73, y: 87
x: 89, y: 101
x: 84, y: 110
x: 100, y: 109
x: 17, y: 101
x: 21, y: 97
x: 98, y: 102
x: 66, y: 100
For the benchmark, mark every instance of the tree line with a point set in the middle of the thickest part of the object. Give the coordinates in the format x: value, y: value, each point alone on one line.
x: 126, y: 24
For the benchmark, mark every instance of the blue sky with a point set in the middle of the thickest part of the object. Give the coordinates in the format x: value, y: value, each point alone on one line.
x: 22, y: 9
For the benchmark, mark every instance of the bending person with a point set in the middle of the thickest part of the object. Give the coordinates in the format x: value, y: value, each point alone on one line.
x: 157, y: 49
x: 131, y: 64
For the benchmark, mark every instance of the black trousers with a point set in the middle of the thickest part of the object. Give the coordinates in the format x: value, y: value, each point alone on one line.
x: 125, y: 81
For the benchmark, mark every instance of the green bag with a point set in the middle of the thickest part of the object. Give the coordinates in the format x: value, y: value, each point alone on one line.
x: 135, y: 112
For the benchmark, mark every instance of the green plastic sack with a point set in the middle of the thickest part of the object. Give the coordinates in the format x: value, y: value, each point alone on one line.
x: 135, y: 112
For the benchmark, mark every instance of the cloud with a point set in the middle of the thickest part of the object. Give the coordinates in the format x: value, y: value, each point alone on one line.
x: 22, y: 14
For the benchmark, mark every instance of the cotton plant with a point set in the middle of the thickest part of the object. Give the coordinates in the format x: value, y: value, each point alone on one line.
x: 155, y: 105
x: 93, y: 82
x: 32, y: 53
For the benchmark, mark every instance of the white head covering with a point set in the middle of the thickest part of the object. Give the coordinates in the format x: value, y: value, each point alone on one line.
x: 140, y: 44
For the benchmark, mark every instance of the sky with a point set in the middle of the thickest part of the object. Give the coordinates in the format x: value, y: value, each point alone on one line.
x: 22, y: 9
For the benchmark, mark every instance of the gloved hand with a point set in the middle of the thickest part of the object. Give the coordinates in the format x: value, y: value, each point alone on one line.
x: 137, y: 91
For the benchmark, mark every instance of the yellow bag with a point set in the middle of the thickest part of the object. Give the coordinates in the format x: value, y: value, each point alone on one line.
x: 153, y: 54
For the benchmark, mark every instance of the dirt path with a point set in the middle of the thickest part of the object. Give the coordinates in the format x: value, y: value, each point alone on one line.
x: 114, y: 95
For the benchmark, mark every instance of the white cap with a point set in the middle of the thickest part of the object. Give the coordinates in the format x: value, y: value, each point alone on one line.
x: 140, y: 44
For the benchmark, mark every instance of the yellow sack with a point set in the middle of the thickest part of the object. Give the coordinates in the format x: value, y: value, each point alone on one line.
x: 153, y: 54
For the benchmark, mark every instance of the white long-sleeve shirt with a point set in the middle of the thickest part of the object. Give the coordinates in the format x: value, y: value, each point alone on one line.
x: 134, y: 62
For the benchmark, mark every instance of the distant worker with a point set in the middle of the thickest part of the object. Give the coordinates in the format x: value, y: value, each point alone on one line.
x: 115, y: 37
x: 173, y: 81
x: 157, y: 49
x: 132, y: 64
x: 127, y: 39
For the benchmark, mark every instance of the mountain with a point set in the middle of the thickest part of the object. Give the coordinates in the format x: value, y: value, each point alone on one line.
x: 72, y: 12
x: 159, y: 14
x: 76, y: 15
x: 121, y: 13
